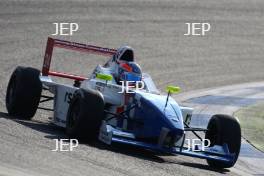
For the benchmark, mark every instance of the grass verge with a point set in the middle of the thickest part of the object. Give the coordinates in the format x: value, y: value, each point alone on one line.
x: 251, y: 119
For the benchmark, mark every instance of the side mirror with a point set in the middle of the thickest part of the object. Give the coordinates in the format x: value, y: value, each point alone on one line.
x: 105, y: 77
x: 172, y: 89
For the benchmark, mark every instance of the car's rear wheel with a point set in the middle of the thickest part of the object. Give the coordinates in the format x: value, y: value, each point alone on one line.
x: 85, y: 114
x: 224, y: 129
x: 23, y: 92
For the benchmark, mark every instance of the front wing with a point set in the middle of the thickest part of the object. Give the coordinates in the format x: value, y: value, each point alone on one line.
x: 109, y: 135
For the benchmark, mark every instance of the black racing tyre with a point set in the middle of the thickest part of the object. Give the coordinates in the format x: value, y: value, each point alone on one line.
x: 23, y: 93
x: 85, y: 114
x: 224, y: 129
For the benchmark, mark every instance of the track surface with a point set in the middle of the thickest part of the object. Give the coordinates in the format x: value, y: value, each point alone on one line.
x: 227, y: 100
x: 231, y: 53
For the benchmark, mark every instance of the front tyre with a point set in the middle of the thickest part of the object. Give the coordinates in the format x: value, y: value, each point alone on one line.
x: 23, y: 93
x: 224, y: 129
x: 85, y: 114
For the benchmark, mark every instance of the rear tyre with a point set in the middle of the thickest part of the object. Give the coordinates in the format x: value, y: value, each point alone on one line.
x: 85, y: 114
x: 23, y: 93
x: 224, y: 129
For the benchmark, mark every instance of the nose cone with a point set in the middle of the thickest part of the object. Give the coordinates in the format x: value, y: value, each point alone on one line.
x: 158, y: 116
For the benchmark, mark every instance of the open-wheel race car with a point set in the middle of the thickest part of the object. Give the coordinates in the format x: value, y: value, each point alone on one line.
x: 118, y: 103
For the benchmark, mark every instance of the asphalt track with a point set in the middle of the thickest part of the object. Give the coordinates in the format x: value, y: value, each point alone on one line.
x: 232, y: 52
x: 227, y: 100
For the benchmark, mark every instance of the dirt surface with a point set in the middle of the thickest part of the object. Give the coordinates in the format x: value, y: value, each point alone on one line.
x: 232, y: 52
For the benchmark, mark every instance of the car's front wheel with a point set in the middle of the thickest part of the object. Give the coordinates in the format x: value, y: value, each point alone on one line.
x: 85, y: 114
x: 224, y: 129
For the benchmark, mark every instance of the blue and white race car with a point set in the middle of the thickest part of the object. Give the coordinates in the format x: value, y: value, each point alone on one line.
x: 120, y: 104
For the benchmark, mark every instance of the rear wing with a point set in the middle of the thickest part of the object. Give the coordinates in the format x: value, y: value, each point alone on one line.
x: 51, y: 43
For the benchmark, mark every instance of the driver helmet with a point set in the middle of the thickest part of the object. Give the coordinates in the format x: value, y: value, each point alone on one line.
x: 124, y: 53
x: 128, y: 71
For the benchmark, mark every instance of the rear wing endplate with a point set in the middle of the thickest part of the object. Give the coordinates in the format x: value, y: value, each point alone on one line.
x: 51, y: 43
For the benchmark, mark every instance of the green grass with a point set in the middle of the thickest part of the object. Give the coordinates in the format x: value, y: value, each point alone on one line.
x: 251, y: 119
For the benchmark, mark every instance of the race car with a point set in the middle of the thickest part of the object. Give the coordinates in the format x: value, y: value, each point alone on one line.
x: 118, y: 103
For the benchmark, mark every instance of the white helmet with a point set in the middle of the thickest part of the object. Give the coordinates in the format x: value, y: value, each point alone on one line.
x: 124, y: 53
